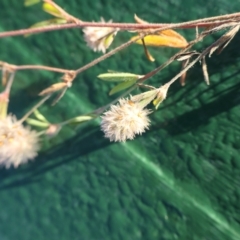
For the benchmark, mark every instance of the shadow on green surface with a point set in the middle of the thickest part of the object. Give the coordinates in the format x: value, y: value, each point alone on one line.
x: 188, y: 121
x: 70, y: 150
x: 221, y: 95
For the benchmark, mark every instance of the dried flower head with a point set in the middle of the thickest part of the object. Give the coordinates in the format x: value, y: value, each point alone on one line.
x: 18, y: 144
x: 124, y: 120
x: 99, y: 38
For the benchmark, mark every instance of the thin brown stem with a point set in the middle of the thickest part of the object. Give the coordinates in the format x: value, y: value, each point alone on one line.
x: 34, y: 108
x: 40, y: 67
x: 10, y: 82
x: 105, y: 56
x: 205, y: 22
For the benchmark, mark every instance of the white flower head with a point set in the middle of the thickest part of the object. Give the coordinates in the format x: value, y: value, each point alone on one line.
x: 124, y: 120
x: 99, y: 38
x: 18, y: 143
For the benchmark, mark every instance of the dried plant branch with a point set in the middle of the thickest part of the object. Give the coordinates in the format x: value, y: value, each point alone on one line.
x: 39, y: 67
x: 205, y: 71
x: 205, y: 22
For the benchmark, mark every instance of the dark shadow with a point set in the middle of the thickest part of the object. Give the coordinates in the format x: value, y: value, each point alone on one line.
x: 219, y: 97
x: 69, y: 150
x: 197, y: 117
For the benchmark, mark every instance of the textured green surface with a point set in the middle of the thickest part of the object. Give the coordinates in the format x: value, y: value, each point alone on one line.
x: 180, y: 180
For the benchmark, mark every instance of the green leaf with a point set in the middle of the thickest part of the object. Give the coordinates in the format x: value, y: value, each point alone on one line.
x: 49, y: 8
x: 28, y: 3
x: 157, y: 102
x: 122, y: 86
x: 80, y: 119
x: 47, y: 23
x: 119, y: 77
x: 37, y: 123
x: 39, y: 116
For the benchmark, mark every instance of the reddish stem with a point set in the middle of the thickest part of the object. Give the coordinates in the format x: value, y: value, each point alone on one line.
x: 207, y: 22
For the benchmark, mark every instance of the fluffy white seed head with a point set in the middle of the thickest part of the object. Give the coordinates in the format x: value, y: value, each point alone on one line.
x: 99, y: 39
x: 124, y: 120
x: 18, y: 144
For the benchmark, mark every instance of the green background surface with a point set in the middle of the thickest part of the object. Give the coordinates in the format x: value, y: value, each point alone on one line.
x: 180, y: 180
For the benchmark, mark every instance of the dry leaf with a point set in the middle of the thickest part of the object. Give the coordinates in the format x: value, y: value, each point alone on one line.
x: 186, y: 55
x: 167, y: 38
x: 55, y: 87
x: 205, y: 71
x: 147, y: 53
x: 59, y: 96
x: 222, y: 42
x: 184, y: 75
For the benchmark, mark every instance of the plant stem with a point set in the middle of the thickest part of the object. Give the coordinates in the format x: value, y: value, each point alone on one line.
x: 34, y: 108
x: 40, y: 67
x: 205, y: 22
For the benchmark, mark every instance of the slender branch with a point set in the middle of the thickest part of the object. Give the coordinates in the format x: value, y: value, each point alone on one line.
x: 9, y: 83
x: 34, y: 108
x: 107, y: 55
x: 205, y: 22
x: 40, y: 67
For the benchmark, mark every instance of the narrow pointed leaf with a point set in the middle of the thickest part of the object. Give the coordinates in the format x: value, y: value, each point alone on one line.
x: 145, y: 98
x: 162, y: 41
x: 139, y: 20
x: 161, y: 95
x: 184, y: 76
x: 47, y: 23
x: 205, y: 71
x: 28, y: 3
x: 5, y: 76
x: 36, y: 123
x: 59, y: 96
x: 53, y: 88
x: 119, y: 77
x: 147, y: 53
x: 49, y: 8
x: 3, y: 109
x: 79, y: 120
x: 122, y: 86
x: 39, y: 116
x: 186, y: 56
x: 156, y: 103
x: 109, y: 39
x: 167, y: 38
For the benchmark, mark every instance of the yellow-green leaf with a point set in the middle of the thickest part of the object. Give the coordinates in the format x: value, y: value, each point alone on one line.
x: 36, y: 123
x: 119, y: 77
x: 146, y: 95
x: 157, y: 102
x: 147, y: 53
x: 39, y: 116
x: 49, y: 8
x: 122, y: 86
x: 28, y: 3
x: 47, y: 23
x: 109, y: 39
x: 3, y: 108
x: 167, y: 38
x: 80, y: 119
x: 161, y: 95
